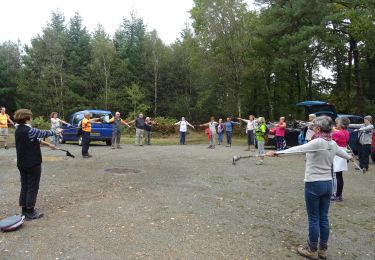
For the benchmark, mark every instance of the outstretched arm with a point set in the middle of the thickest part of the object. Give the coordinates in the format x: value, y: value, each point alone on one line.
x: 124, y: 123
x: 51, y: 146
x: 35, y: 133
x: 189, y: 124
x: 366, y: 128
x: 178, y: 123
x: 10, y: 121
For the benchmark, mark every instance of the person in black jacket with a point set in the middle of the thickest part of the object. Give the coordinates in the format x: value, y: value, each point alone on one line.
x: 29, y: 160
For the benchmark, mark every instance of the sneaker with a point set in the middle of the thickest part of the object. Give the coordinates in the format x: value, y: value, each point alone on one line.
x: 35, y: 214
x: 307, y: 252
x: 112, y: 147
x: 322, y: 253
x: 6, y: 147
x: 87, y: 156
x: 259, y: 163
x: 119, y: 147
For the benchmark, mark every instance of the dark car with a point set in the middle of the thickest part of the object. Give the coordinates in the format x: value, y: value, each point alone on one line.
x: 320, y: 108
x: 100, y: 131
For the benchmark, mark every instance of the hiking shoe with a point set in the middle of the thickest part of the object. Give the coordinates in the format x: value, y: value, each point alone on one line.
x: 34, y: 214
x: 334, y: 198
x: 259, y: 163
x: 307, y: 252
x: 322, y: 253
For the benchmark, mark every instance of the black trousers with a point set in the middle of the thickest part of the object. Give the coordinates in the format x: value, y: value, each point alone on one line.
x: 85, y: 143
x: 30, y: 179
x: 364, y: 151
x: 340, y: 184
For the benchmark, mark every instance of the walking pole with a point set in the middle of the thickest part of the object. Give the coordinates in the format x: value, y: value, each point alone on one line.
x: 355, y: 164
x: 239, y: 157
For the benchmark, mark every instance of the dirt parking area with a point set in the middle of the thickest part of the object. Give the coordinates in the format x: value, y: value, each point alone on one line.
x: 178, y: 202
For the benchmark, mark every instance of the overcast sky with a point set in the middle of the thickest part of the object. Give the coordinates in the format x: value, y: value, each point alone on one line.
x: 24, y: 19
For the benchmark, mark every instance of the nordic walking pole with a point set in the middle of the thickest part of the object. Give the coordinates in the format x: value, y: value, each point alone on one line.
x: 353, y: 161
x: 238, y: 157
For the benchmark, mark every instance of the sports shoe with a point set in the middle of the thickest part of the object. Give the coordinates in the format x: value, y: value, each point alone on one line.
x: 334, y: 198
x: 6, y: 147
x: 34, y: 214
x: 322, y: 253
x: 119, y: 147
x: 87, y: 156
x: 259, y: 163
x: 112, y: 147
x: 307, y: 252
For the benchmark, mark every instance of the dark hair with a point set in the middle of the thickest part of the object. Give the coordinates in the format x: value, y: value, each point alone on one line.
x: 343, y: 121
x: 22, y: 116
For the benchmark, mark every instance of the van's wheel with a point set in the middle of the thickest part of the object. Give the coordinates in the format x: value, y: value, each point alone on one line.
x: 61, y: 140
x: 108, y: 142
x: 80, y: 141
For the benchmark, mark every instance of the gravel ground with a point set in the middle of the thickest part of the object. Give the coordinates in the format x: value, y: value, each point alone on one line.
x: 178, y: 202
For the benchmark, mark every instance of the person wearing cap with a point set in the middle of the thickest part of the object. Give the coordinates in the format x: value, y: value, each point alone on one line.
x: 4, y: 120
x: 86, y: 130
x: 116, y: 122
x: 365, y: 131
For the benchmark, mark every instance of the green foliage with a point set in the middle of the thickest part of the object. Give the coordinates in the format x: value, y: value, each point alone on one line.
x: 40, y: 123
x: 230, y: 61
x: 165, y: 126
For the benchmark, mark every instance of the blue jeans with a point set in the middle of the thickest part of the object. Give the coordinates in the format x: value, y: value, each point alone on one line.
x: 318, y: 198
x: 182, y: 137
x: 220, y: 137
x: 229, y: 137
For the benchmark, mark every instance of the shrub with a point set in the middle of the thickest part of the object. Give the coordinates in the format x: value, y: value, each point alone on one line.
x: 39, y: 122
x: 165, y: 126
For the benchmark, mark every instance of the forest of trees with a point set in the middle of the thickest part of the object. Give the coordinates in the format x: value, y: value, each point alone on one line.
x: 230, y: 61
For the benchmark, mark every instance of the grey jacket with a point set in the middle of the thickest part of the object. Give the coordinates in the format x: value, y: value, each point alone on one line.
x: 364, y: 132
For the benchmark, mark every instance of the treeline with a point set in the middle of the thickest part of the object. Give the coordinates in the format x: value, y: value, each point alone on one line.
x: 232, y: 61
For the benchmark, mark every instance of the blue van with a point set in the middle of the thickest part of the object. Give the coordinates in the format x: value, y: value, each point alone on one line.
x: 101, y: 131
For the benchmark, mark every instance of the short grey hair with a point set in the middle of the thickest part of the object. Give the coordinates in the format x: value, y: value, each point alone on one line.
x: 325, y: 123
x: 312, y: 115
x: 369, y: 118
x: 343, y: 121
